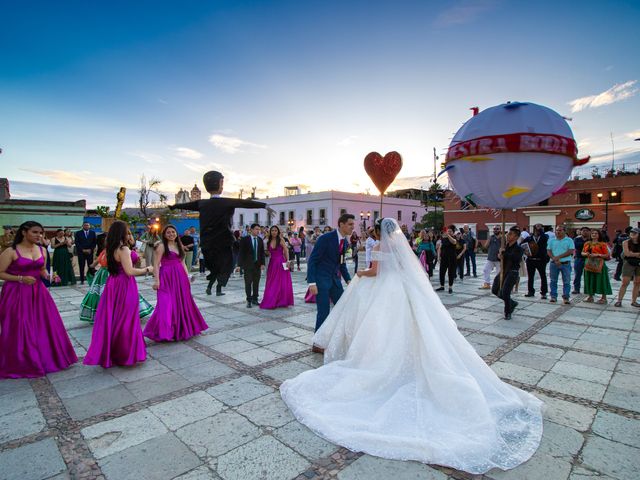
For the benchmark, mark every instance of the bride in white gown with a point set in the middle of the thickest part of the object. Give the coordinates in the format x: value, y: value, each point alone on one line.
x: 400, y: 382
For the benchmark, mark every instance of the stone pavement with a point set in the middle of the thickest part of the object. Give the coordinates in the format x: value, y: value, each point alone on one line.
x: 209, y: 408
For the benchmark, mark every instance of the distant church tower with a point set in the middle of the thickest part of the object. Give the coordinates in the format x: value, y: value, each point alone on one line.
x: 196, y: 194
x: 182, y: 196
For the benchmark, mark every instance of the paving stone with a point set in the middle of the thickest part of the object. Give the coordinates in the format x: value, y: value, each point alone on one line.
x: 291, y: 332
x: 287, y: 370
x: 214, y: 339
x: 631, y: 353
x: 256, y: 356
x: 617, y: 428
x: 269, y: 411
x: 589, y: 360
x: 187, y: 409
x: 304, y: 441
x: 160, y: 457
x: 590, y: 374
x: 560, y: 441
x: 98, y: 380
x: 287, y: 347
x: 201, y: 473
x: 17, y: 400
x: 566, y: 413
x: 628, y: 367
x: 579, y: 473
x: 540, y: 467
x: 527, y: 360
x: 157, y: 385
x: 264, y: 458
x: 622, y: 397
x: 517, y: 372
x: 314, y: 360
x: 33, y: 461
x: 75, y: 370
x: 159, y: 350
x: 375, y: 468
x: 216, y: 435
x: 572, y: 386
x: 239, y: 391
x: 264, y: 338
x: 234, y: 346
x: 148, y: 368
x: 598, y: 347
x: 552, y: 340
x: 611, y: 458
x: 540, y: 350
x: 205, y: 372
x: 95, y: 403
x: 182, y: 360
x: 21, y: 423
x: 112, y: 436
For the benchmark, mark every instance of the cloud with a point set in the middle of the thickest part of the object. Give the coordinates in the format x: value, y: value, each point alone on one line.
x: 465, y: 11
x: 189, y: 153
x: 40, y: 191
x: 346, y: 142
x: 617, y: 93
x: 232, y: 144
x: 147, y: 156
x: 633, y: 135
x: 608, y: 68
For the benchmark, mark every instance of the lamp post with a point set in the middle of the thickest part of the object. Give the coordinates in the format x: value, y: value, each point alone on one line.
x: 290, y: 222
x: 607, y: 199
x: 364, y: 217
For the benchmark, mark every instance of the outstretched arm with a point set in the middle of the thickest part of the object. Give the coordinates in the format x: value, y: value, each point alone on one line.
x: 194, y: 206
x: 373, y: 271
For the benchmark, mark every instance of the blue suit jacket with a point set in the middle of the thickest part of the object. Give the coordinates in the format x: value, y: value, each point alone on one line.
x: 324, y: 263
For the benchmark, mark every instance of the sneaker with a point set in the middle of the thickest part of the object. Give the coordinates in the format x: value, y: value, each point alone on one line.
x: 530, y: 295
x: 485, y: 286
x: 566, y: 301
x: 552, y: 300
x: 507, y: 316
x: 439, y: 289
x: 450, y: 290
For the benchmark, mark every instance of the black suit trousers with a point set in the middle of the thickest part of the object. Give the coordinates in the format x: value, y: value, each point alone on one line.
x: 84, y: 258
x: 539, y: 266
x: 510, y: 279
x: 252, y: 281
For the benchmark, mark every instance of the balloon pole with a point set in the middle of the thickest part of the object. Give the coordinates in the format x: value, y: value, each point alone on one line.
x: 502, y: 247
x: 381, y: 197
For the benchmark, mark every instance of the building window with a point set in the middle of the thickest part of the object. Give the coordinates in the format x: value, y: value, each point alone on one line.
x: 256, y: 218
x: 323, y: 216
x: 544, y: 203
x: 291, y: 215
x: 584, y: 198
x: 242, y: 219
x: 376, y: 215
x: 399, y: 215
x: 343, y: 211
x: 309, y: 217
x: 281, y: 222
x: 617, y: 198
x: 414, y: 216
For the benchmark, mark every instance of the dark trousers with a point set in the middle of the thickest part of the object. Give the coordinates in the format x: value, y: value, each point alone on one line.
x: 252, y: 282
x: 539, y: 266
x: 219, y: 262
x: 448, y: 265
x: 619, y: 268
x: 355, y: 262
x: 470, y: 259
x: 84, y: 258
x: 578, y: 268
x: 460, y: 267
x: 297, y: 255
x: 510, y: 279
x: 326, y: 295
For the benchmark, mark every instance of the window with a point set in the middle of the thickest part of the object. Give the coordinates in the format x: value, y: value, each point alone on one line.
x: 584, y: 198
x: 323, y: 216
x: 617, y: 198
x: 343, y: 211
x: 376, y: 215
x: 309, y: 217
x: 281, y: 222
x: 399, y: 215
x: 242, y: 219
x: 256, y: 218
x: 414, y: 216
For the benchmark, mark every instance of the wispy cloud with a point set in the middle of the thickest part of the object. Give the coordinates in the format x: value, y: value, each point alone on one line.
x: 346, y: 142
x: 232, y: 145
x: 633, y: 135
x: 189, y: 153
x: 146, y: 156
x: 608, y: 68
x: 617, y: 93
x: 163, y: 101
x: 465, y: 11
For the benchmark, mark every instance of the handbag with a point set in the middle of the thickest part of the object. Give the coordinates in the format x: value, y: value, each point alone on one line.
x: 594, y: 264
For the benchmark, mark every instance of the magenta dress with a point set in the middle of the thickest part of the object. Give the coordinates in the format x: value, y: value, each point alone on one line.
x: 176, y: 316
x: 278, y: 291
x: 117, y: 336
x: 33, y: 341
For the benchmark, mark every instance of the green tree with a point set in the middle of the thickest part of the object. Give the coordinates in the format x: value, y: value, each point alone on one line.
x: 103, y: 210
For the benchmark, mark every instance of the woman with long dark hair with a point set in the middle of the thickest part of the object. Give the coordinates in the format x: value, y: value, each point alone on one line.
x: 278, y: 290
x: 62, y: 265
x: 117, y: 336
x: 33, y: 340
x: 596, y: 273
x: 176, y: 316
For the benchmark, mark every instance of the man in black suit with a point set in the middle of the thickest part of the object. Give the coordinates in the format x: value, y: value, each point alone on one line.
x: 252, y: 259
x: 537, y: 260
x: 216, y: 237
x: 85, y: 240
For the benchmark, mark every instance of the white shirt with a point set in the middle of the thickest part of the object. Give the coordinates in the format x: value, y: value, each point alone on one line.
x: 368, y: 246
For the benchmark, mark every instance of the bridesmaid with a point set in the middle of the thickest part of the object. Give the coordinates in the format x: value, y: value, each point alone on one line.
x: 176, y: 316
x: 33, y: 340
x: 62, y: 265
x: 278, y: 291
x: 117, y: 337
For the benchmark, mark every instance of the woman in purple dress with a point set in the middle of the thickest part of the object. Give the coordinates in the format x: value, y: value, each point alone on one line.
x: 117, y: 337
x: 176, y: 316
x: 33, y: 340
x: 278, y: 291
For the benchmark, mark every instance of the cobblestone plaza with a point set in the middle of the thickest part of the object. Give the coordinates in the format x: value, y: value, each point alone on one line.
x: 209, y: 408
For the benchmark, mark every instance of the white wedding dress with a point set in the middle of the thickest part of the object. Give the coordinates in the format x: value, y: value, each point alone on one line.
x: 400, y: 382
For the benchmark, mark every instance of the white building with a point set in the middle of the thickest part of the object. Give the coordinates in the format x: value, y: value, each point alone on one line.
x: 318, y: 209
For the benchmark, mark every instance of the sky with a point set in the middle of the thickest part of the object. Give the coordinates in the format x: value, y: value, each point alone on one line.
x: 93, y: 95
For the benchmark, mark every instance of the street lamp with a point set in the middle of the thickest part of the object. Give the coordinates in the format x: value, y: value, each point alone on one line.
x: 290, y: 222
x: 606, y: 204
x: 364, y: 217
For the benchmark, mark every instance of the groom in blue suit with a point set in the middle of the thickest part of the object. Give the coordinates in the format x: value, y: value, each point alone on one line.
x: 326, y: 265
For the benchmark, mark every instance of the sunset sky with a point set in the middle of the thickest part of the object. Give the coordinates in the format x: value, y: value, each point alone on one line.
x: 275, y: 93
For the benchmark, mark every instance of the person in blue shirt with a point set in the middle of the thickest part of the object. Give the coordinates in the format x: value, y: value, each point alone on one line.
x: 560, y: 250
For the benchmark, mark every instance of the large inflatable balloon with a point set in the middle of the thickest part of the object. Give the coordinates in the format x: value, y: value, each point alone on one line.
x: 511, y: 155
x: 383, y: 170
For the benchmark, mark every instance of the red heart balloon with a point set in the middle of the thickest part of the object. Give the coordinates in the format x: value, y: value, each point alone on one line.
x: 383, y: 170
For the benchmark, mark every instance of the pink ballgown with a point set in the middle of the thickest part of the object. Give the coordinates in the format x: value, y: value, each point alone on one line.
x: 278, y: 291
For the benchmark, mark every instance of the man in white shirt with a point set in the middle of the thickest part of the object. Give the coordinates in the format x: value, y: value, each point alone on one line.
x: 368, y: 246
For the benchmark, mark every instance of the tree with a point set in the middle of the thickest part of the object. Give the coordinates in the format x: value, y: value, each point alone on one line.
x: 147, y: 189
x: 433, y: 219
x: 103, y: 210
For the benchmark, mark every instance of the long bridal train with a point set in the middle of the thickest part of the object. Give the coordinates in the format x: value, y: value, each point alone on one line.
x: 401, y: 382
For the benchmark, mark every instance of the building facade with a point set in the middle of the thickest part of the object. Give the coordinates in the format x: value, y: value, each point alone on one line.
x: 319, y: 209
x: 612, y: 201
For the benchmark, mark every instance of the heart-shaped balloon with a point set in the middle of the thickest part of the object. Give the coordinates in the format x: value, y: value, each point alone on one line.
x: 383, y: 170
